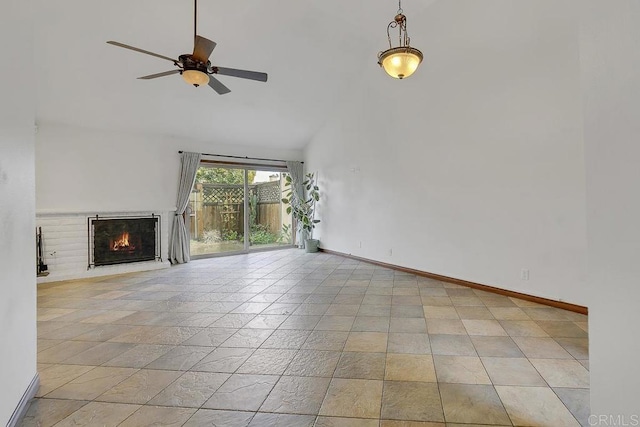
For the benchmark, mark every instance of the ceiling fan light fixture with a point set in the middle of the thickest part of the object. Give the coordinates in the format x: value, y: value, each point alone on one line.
x: 195, y: 77
x: 402, y: 61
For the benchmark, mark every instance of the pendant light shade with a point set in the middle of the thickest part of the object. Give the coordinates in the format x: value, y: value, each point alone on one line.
x: 402, y: 61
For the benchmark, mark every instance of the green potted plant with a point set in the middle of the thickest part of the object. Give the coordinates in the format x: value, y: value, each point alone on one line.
x: 303, y: 210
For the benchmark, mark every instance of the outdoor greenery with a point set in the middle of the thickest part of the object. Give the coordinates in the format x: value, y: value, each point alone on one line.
x: 303, y: 210
x: 223, y: 176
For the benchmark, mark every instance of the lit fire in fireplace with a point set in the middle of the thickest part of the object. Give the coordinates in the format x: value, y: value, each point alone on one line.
x: 122, y: 243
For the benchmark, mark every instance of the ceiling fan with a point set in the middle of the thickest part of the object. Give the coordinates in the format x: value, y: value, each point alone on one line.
x: 195, y: 68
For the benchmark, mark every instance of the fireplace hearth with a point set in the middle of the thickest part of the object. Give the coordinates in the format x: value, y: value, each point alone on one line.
x: 119, y: 240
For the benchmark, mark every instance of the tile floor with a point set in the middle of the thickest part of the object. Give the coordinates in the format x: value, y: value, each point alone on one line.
x: 287, y: 338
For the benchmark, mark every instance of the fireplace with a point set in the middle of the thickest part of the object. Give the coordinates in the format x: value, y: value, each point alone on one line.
x: 118, y: 240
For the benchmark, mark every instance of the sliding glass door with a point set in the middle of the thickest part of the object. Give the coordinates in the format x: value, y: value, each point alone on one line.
x: 237, y: 209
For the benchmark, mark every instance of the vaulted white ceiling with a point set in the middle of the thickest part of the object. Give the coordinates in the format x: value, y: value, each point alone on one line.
x: 312, y: 50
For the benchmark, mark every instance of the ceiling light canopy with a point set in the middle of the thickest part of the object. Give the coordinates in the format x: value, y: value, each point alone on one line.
x: 195, y: 77
x: 401, y: 61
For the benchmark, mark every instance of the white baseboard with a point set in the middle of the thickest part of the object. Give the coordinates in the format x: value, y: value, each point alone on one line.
x: 23, y: 405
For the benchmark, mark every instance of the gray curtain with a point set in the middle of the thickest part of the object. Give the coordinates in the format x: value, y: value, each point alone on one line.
x: 297, y: 177
x: 179, y: 252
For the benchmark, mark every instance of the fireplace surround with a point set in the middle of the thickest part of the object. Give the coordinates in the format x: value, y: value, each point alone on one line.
x: 120, y: 240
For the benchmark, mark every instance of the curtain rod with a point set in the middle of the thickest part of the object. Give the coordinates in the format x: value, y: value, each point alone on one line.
x: 240, y: 157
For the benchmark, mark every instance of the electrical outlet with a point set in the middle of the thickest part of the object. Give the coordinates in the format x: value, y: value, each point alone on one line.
x: 524, y: 274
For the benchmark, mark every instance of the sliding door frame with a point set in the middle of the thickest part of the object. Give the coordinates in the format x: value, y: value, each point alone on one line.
x: 245, y: 167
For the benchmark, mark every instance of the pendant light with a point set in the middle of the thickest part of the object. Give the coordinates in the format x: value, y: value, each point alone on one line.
x: 401, y: 61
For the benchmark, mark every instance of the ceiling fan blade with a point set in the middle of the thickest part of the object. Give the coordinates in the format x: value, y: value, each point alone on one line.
x: 243, y: 74
x: 155, y: 76
x: 126, y: 46
x: 203, y: 48
x: 217, y: 85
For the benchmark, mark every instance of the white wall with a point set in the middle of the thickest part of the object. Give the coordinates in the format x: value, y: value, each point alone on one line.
x: 610, y: 60
x: 17, y: 207
x: 472, y: 168
x: 90, y: 170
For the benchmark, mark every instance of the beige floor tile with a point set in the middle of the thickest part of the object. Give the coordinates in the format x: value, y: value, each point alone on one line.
x: 211, y: 337
x: 139, y: 335
x: 535, y: 406
x: 233, y: 320
x: 408, y: 325
x: 180, y: 358
x: 191, y: 390
x: 399, y: 342
x: 353, y: 398
x: 286, y: 339
x: 374, y: 310
x: 92, y: 384
x: 508, y: 313
x: 139, y: 387
x: 47, y: 412
x: 99, y: 413
x: 415, y: 401
x: 546, y: 313
x: 464, y: 403
x: 307, y: 323
x: 223, y: 360
x: 409, y: 367
x: 440, y: 312
x: 335, y: 323
x: 266, y: 321
x: 139, y: 356
x: 326, y: 340
x: 577, y: 347
x: 214, y: 417
x: 559, y: 329
x: 512, y: 371
x: 460, y: 369
x: 446, y: 326
x: 158, y: 416
x: 99, y: 354
x: 369, y: 366
x: 58, y: 375
x: 371, y: 324
x: 267, y: 362
x: 375, y: 342
x: 414, y: 311
x: 248, y: 338
x: 523, y: 328
x: 345, y: 422
x: 242, y: 392
x: 496, y: 347
x: 474, y: 313
x: 108, y: 317
x: 282, y: 420
x: 452, y: 345
x: 313, y: 363
x: 541, y: 348
x: 490, y: 328
x: 63, y: 351
x: 296, y: 395
x: 438, y: 301
x: 174, y: 335
x: 396, y: 423
x: 562, y: 373
x: 577, y: 402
